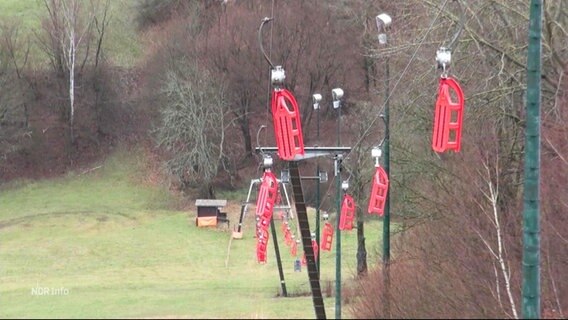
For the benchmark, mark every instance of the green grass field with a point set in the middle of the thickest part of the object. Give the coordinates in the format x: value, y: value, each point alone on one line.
x: 106, y: 244
x: 122, y: 45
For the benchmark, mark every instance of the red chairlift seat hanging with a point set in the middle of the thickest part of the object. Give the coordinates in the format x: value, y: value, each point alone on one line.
x: 315, y: 248
x: 263, y: 223
x: 261, y: 253
x: 327, y: 237
x: 448, y: 116
x: 285, y: 111
x: 288, y: 237
x: 262, y: 246
x: 379, y: 190
x: 347, y: 213
x: 284, y: 227
x: 287, y: 124
x: 293, y: 248
x: 266, y: 199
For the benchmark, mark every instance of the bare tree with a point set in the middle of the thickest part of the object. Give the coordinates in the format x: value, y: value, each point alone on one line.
x: 73, y: 35
x: 193, y: 126
x: 498, y: 253
x: 14, y: 113
x: 71, y: 27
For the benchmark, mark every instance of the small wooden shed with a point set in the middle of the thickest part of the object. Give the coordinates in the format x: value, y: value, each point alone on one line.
x: 209, y: 212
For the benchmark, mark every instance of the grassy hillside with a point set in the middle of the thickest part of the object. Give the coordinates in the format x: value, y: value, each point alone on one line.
x: 122, y: 42
x: 106, y: 245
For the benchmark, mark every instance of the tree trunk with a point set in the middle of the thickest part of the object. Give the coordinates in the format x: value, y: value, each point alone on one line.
x: 361, y: 249
x: 244, y: 122
x: 72, y: 55
x: 72, y: 102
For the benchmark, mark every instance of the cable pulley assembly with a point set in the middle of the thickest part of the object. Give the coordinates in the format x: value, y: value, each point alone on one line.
x: 449, y: 108
x: 285, y: 111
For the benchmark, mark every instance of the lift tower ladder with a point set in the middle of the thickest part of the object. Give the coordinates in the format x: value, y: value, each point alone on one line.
x: 302, y: 215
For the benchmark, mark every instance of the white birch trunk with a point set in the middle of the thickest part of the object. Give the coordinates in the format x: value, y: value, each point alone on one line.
x: 72, y: 82
x: 493, y: 197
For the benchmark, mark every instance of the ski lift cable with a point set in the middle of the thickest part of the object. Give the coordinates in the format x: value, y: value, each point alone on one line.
x: 262, y: 154
x: 460, y: 26
x: 265, y: 20
x: 444, y: 53
x: 412, y: 58
x: 267, y: 57
x: 326, y: 194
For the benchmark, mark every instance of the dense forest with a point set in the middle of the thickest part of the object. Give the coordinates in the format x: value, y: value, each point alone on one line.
x: 199, y: 93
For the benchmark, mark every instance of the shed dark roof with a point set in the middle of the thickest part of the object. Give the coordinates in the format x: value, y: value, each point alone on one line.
x: 210, y: 203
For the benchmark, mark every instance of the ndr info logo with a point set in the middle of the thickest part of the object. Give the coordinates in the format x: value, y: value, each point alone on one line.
x: 49, y: 291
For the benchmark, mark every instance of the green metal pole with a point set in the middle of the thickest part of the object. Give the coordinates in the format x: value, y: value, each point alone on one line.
x: 386, y: 219
x: 337, y: 231
x: 278, y: 259
x: 531, y: 197
x: 318, y: 181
